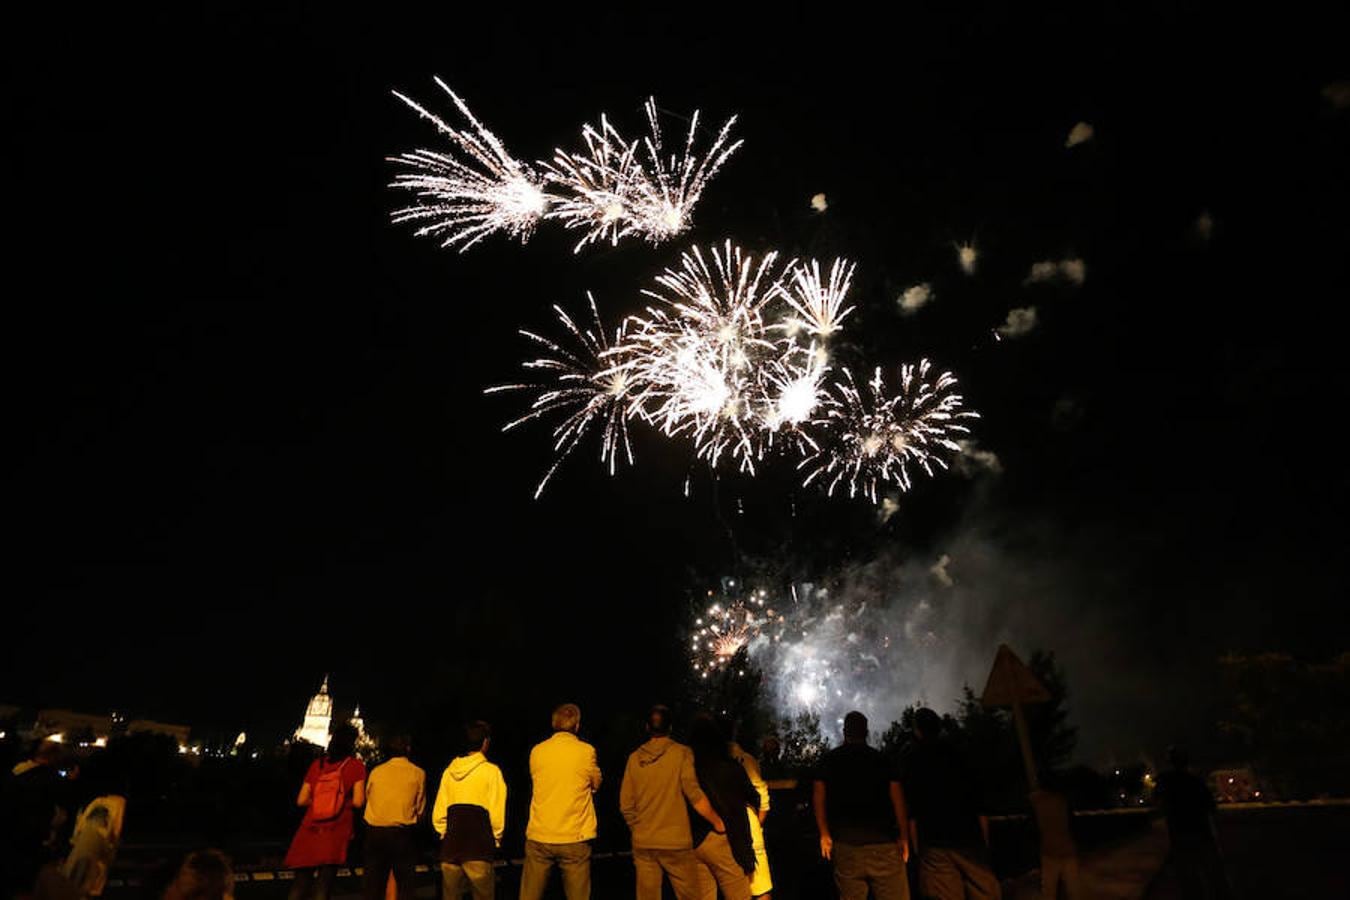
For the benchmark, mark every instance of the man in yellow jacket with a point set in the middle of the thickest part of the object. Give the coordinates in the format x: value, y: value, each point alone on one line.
x: 565, y: 775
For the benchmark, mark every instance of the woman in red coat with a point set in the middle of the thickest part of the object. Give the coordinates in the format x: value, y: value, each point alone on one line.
x: 334, y: 785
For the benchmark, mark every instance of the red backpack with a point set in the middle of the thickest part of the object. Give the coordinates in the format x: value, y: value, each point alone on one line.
x: 330, y: 793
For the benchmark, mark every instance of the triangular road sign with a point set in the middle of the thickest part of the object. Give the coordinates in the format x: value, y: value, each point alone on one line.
x: 1010, y: 681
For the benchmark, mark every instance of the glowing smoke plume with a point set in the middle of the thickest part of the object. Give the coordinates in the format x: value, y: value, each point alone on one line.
x: 915, y: 298
x: 1020, y: 322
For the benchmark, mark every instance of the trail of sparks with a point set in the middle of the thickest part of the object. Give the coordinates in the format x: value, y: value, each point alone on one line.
x: 585, y: 386
x: 821, y: 305
x: 465, y: 197
x: 612, y: 189
x: 619, y: 187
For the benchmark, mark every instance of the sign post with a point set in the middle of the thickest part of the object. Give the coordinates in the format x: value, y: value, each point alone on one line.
x: 1011, y: 683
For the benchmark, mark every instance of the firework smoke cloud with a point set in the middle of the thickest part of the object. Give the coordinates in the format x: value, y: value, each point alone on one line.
x: 939, y: 571
x: 1020, y: 322
x: 975, y: 459
x: 1062, y: 271
x: 1337, y: 93
x: 915, y: 298
x: 966, y: 257
x: 1081, y: 133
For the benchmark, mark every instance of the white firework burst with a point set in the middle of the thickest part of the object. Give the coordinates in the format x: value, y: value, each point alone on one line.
x: 670, y: 185
x: 700, y: 356
x: 467, y: 194
x: 820, y: 304
x: 586, y: 386
x: 878, y: 439
x: 730, y: 626
x: 596, y: 188
x: 731, y: 356
x: 795, y: 385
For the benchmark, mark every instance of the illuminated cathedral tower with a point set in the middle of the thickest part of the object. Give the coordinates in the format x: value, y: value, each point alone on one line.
x: 318, y: 716
x: 365, y: 744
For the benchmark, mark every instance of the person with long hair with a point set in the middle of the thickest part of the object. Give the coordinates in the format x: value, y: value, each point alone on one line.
x: 98, y: 827
x: 727, y: 859
x: 761, y: 881
x: 334, y: 785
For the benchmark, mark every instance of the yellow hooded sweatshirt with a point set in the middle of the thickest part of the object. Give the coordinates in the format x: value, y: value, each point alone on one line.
x: 473, y: 780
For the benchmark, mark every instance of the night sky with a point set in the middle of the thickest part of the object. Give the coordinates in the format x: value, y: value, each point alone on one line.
x: 247, y: 438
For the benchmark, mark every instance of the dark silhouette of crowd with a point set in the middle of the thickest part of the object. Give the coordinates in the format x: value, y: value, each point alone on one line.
x: 695, y: 814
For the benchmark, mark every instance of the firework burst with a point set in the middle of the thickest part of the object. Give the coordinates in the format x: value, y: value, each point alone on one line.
x: 671, y: 185
x: 585, y: 386
x: 463, y: 197
x: 820, y: 304
x: 617, y: 187
x: 701, y: 353
x: 612, y: 189
x: 731, y: 355
x: 879, y: 439
x: 814, y: 649
x: 596, y: 187
x: 729, y: 627
x: 795, y: 382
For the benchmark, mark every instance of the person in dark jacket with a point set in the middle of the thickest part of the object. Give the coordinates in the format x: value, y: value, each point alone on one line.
x: 947, y: 818
x: 37, y: 802
x: 861, y: 817
x: 727, y: 859
x: 1188, y: 807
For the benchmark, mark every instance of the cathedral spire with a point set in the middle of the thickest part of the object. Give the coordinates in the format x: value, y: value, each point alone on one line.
x: 318, y: 718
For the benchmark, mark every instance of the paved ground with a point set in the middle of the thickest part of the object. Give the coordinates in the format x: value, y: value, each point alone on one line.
x: 1121, y: 871
x: 1271, y: 851
x: 1289, y: 853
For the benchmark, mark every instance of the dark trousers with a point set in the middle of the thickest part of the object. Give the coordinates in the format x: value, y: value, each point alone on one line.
x: 948, y: 874
x: 880, y: 867
x: 389, y: 849
x: 1199, y: 868
x: 318, y: 880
